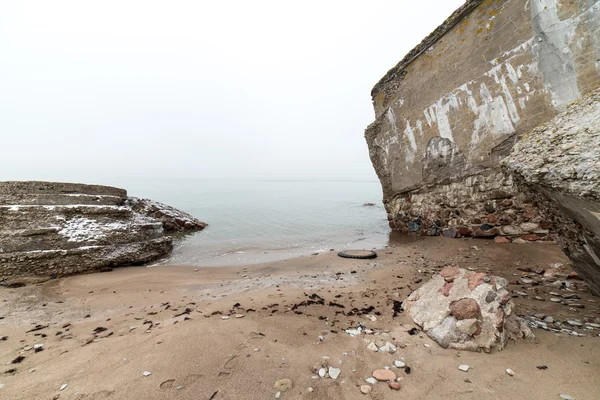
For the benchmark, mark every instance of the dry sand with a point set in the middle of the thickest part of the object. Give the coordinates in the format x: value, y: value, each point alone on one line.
x: 168, y: 321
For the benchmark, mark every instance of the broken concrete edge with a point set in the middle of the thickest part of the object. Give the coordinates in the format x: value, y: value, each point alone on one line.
x: 425, y: 44
x: 53, y: 229
x: 558, y: 165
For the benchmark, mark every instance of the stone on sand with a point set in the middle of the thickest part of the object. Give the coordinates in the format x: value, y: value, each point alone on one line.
x: 283, y: 384
x: 464, y: 367
x: 384, y: 375
x: 365, y: 389
x: 334, y: 372
x: 477, y: 314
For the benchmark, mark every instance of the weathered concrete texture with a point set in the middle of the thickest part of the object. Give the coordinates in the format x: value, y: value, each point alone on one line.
x: 466, y: 310
x: 453, y: 108
x: 55, y: 229
x: 558, y: 166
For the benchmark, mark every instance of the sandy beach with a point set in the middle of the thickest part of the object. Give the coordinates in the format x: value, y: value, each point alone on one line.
x: 232, y: 332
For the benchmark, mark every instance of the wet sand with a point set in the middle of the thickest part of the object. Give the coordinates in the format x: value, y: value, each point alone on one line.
x: 103, y: 331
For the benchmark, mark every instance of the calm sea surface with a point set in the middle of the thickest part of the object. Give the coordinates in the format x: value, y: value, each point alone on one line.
x: 257, y: 221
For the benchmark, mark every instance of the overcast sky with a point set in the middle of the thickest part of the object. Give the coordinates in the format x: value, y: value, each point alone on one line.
x: 91, y: 90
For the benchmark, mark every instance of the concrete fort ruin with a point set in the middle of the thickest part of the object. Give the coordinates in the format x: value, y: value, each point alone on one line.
x: 51, y: 229
x: 456, y: 105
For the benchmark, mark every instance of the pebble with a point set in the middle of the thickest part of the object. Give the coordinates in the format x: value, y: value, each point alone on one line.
x: 394, y: 385
x: 549, y: 320
x: 372, y: 381
x: 384, y: 375
x: 555, y: 300
x: 365, y: 389
x: 310, y: 390
x: 372, y: 346
x: 566, y: 397
x: 427, y: 345
x: 574, y: 323
x: 64, y: 386
x: 322, y: 372
x: 399, y: 364
x: 510, y: 372
x: 334, y: 372
x: 147, y: 373
x: 239, y: 315
x: 38, y: 347
x: 277, y: 395
x: 464, y: 367
x: 225, y: 317
x: 283, y: 384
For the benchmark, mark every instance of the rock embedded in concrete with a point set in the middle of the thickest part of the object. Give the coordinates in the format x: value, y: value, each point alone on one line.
x: 50, y: 229
x: 477, y: 314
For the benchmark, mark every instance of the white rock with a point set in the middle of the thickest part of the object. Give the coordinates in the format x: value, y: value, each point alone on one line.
x: 64, y: 386
x: 399, y: 364
x: 334, y: 372
x: 225, y: 317
x: 372, y: 381
x: 510, y: 372
x: 365, y: 389
x: 464, y: 367
x: 321, y: 338
x: 372, y: 346
x: 147, y: 373
x: 427, y: 345
x: 277, y: 395
x: 38, y: 346
x: 322, y: 372
x: 310, y: 390
x: 566, y: 397
x: 239, y: 315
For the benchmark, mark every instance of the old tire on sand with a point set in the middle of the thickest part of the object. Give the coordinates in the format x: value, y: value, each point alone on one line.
x: 359, y: 254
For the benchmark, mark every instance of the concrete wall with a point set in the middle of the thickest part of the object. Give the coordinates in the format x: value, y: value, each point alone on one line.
x: 454, y: 107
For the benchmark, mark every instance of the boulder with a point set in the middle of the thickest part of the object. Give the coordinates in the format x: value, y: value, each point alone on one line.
x: 471, y: 312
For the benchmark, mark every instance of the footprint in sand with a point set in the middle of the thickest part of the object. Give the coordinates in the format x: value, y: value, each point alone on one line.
x: 168, y: 384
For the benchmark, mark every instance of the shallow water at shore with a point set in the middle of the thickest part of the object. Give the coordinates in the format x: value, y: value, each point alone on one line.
x: 260, y: 221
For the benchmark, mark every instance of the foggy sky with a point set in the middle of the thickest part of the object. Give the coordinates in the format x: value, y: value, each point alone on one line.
x: 98, y: 91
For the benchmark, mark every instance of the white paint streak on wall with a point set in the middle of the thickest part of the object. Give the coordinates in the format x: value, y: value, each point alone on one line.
x: 552, y: 51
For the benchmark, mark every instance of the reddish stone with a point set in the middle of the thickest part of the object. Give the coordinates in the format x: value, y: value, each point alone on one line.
x: 476, y: 221
x: 188, y: 225
x: 464, y: 231
x: 513, y: 282
x: 492, y: 219
x: 500, y: 317
x: 394, y: 385
x: 477, y: 330
x: 450, y: 273
x: 530, y: 238
x: 390, y: 217
x: 505, y: 298
x: 573, y: 275
x: 158, y: 214
x: 446, y: 289
x: 180, y: 222
x: 501, y: 239
x: 475, y: 279
x: 392, y: 224
x: 529, y: 215
x: 486, y: 233
x: 545, y: 225
x: 465, y: 309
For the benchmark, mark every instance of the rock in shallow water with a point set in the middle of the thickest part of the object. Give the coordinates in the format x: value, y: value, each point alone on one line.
x: 67, y: 228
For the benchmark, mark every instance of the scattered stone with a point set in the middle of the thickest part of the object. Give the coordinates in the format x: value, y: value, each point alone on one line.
x: 147, y: 373
x: 239, y: 315
x: 310, y: 390
x: 322, y: 372
x: 566, y: 397
x: 399, y: 364
x: 372, y: 381
x: 510, y: 372
x: 225, y: 317
x: 365, y: 389
x: 38, y: 347
x: 464, y: 367
x: 277, y: 395
x: 334, y: 372
x: 63, y: 386
x: 549, y: 319
x: 574, y: 323
x: 283, y: 384
x: 394, y: 385
x: 384, y: 375
x: 555, y: 300
x: 372, y: 346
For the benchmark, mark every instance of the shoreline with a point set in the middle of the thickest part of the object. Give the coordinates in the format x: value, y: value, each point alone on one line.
x: 168, y: 320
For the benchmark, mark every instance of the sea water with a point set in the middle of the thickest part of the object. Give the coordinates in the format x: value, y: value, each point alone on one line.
x: 260, y: 220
